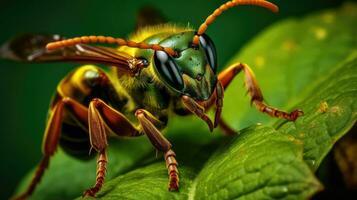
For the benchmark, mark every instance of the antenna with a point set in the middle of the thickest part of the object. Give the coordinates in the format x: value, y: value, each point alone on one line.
x: 108, y: 40
x: 210, y: 19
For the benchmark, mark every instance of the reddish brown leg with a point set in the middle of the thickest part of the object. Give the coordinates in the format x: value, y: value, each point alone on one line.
x: 219, y: 103
x: 101, y: 172
x: 197, y: 109
x: 99, y: 112
x: 227, y: 130
x: 227, y: 76
x: 51, y: 137
x: 42, y: 166
x: 217, y: 100
x: 99, y: 115
x: 171, y: 165
x: 115, y: 120
x: 147, y: 122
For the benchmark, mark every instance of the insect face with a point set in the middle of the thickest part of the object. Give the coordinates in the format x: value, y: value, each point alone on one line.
x: 192, y: 72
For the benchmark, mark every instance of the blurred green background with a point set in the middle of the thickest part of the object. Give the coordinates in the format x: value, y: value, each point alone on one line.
x: 26, y: 89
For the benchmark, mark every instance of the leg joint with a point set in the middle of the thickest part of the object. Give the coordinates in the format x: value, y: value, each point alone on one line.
x: 96, y: 101
x: 66, y: 100
x: 170, y: 153
x: 139, y: 112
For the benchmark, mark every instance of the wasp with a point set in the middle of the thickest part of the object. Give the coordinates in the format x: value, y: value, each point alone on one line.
x: 159, y: 71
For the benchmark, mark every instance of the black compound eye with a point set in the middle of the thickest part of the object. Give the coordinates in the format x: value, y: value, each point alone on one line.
x: 168, y: 70
x: 211, y: 54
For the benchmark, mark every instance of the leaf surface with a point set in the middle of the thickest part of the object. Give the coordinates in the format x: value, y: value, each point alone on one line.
x: 306, y: 63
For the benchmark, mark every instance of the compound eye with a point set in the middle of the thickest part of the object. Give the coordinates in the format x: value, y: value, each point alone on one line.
x: 168, y: 70
x: 210, y: 50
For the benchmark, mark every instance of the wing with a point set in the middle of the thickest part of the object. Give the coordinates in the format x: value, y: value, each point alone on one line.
x: 149, y: 16
x: 32, y: 48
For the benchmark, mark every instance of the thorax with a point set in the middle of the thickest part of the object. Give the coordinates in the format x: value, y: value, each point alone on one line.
x: 145, y: 90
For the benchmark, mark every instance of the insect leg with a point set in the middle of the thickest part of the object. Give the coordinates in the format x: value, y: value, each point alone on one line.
x: 115, y: 120
x: 148, y: 122
x: 219, y: 93
x: 197, y: 109
x: 99, y: 115
x: 101, y: 172
x: 227, y: 76
x: 51, y: 138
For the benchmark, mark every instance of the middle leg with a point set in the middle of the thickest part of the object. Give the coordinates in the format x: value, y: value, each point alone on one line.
x: 101, y: 117
x: 100, y: 113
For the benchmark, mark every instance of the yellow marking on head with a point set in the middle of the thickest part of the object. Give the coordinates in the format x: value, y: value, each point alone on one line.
x: 259, y: 61
x: 148, y: 31
x: 320, y: 33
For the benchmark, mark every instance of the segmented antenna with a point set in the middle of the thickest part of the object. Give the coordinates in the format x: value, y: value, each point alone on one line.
x: 210, y: 19
x: 108, y: 40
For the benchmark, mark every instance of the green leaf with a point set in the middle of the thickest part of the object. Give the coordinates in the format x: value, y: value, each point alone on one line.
x: 259, y: 164
x: 331, y: 110
x: 67, y: 177
x: 149, y: 182
x: 298, y: 63
x: 249, y: 166
x: 287, y: 58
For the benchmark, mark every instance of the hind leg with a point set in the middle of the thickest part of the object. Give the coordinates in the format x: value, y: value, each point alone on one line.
x: 69, y: 102
x: 51, y: 138
x: 91, y: 117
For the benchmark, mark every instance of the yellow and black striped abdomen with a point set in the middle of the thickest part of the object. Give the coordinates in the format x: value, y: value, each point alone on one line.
x: 83, y: 85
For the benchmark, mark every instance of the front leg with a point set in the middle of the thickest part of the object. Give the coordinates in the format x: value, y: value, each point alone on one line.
x: 148, y: 122
x: 227, y: 76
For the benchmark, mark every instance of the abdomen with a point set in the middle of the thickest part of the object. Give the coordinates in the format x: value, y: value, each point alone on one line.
x: 83, y: 85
